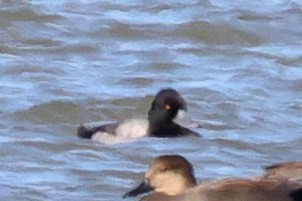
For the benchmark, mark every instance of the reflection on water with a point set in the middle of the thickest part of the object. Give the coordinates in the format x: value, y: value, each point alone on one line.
x: 63, y: 63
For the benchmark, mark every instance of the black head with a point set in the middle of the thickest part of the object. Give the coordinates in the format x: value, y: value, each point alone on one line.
x: 167, y: 112
x: 165, y: 105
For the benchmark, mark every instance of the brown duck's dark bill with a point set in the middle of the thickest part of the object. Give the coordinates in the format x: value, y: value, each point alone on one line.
x: 143, y: 187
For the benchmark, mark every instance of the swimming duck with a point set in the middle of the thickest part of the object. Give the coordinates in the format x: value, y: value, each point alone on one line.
x: 171, y: 178
x: 288, y: 170
x: 167, y: 117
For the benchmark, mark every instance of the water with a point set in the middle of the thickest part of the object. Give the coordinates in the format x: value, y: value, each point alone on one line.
x: 63, y: 63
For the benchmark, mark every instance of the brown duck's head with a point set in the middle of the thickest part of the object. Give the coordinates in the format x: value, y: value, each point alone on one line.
x: 168, y: 174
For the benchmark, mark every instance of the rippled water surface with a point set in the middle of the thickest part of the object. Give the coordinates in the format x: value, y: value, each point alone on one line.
x: 63, y: 63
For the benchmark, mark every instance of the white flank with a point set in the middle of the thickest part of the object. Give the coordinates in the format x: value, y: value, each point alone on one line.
x: 127, y: 130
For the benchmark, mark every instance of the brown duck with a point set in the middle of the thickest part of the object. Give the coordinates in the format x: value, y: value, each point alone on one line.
x: 171, y: 178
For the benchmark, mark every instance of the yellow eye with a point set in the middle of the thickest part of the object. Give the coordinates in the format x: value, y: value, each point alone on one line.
x: 168, y: 107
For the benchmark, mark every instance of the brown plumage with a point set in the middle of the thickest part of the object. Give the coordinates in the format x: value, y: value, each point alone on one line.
x: 171, y: 178
x: 287, y: 171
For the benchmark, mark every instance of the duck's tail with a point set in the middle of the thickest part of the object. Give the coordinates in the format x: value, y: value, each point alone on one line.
x: 84, y: 132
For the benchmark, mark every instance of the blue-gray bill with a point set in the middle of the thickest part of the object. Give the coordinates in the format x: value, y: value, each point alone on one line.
x: 182, y: 118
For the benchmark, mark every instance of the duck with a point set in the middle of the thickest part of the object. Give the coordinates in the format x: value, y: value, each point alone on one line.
x: 167, y: 117
x: 171, y: 178
x: 285, y: 170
